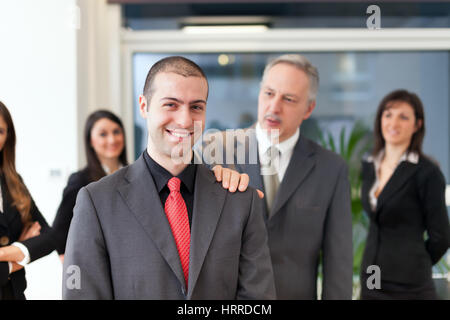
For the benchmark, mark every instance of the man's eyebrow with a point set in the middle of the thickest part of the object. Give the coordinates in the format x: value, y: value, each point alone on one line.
x: 181, y: 102
x: 173, y: 99
x: 291, y: 95
x: 198, y: 101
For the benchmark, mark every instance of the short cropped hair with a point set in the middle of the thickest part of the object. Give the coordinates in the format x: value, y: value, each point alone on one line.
x: 176, y: 64
x: 300, y: 62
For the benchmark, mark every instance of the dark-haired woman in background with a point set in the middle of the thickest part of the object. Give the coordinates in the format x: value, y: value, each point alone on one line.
x: 403, y: 192
x: 104, y: 139
x: 24, y: 234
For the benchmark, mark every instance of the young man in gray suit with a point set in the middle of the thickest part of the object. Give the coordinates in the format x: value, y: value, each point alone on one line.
x: 163, y: 228
x: 307, y: 207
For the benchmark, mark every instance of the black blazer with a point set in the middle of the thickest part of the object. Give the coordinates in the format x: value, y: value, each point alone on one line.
x: 64, y: 214
x: 412, y: 202
x: 11, y: 227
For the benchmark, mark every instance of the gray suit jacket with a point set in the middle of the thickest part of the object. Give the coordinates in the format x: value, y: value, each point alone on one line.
x: 310, y: 219
x: 123, y: 245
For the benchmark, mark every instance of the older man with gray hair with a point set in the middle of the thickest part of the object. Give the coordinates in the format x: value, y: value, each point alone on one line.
x: 307, y: 204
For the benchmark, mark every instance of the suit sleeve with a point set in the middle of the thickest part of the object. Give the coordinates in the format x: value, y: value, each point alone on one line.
x: 337, y: 248
x: 4, y: 273
x: 64, y: 214
x: 86, y: 271
x: 436, y: 218
x: 255, y: 266
x: 44, y: 243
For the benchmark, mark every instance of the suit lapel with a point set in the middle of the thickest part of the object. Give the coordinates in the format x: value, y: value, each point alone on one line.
x: 254, y: 173
x: 400, y: 176
x: 252, y: 169
x: 140, y: 194
x: 10, y: 213
x: 368, y: 173
x: 301, y: 163
x: 3, y: 221
x: 209, y: 198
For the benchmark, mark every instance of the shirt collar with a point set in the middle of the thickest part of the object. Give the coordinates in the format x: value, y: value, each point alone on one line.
x: 408, y: 156
x: 107, y: 170
x: 161, y: 176
x: 264, y: 143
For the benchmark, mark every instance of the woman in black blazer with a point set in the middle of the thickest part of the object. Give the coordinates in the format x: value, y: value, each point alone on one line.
x: 104, y: 140
x: 24, y: 234
x: 403, y: 192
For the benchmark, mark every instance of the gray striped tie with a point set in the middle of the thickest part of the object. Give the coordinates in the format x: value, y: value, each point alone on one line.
x: 270, y: 175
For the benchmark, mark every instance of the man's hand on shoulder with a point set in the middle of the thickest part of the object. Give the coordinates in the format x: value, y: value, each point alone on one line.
x: 233, y: 180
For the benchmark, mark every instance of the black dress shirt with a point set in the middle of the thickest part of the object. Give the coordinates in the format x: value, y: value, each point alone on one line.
x: 161, y: 177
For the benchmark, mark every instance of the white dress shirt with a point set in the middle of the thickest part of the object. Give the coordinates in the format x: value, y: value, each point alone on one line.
x: 286, y: 149
x: 411, y: 157
x: 107, y: 170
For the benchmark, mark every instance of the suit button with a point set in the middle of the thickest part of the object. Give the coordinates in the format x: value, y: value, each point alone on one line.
x: 4, y: 241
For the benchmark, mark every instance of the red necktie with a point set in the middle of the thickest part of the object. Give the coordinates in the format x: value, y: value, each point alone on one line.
x: 177, y: 215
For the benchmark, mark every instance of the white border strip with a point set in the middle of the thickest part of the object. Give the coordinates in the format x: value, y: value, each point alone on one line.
x: 283, y: 40
x: 447, y: 196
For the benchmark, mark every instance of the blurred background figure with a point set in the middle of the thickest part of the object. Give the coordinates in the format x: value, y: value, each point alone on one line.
x: 24, y: 234
x: 104, y: 140
x: 403, y: 192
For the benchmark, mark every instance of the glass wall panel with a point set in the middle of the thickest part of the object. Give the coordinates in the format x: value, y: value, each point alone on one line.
x: 351, y: 86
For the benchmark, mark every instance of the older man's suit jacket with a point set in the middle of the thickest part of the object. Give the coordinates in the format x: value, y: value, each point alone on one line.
x: 123, y: 246
x: 310, y: 219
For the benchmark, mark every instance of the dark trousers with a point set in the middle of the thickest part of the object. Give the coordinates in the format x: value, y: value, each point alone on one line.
x: 397, y: 291
x: 8, y: 293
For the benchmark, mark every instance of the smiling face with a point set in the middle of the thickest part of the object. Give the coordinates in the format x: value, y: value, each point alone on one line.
x: 3, y: 132
x: 176, y: 103
x: 107, y: 139
x: 283, y: 101
x: 398, y: 124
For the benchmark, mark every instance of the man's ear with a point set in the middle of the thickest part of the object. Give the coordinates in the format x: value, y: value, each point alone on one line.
x: 310, y: 109
x: 143, y: 107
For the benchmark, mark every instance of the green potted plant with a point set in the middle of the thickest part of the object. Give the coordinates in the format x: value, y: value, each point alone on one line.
x: 351, y: 148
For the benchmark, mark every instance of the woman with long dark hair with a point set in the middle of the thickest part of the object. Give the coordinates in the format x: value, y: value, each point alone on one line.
x: 403, y: 192
x: 104, y: 140
x: 24, y: 234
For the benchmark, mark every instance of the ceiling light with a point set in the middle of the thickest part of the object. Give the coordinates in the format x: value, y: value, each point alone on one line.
x: 214, y: 29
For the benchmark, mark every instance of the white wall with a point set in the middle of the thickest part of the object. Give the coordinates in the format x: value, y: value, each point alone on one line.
x: 98, y: 61
x: 38, y: 83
